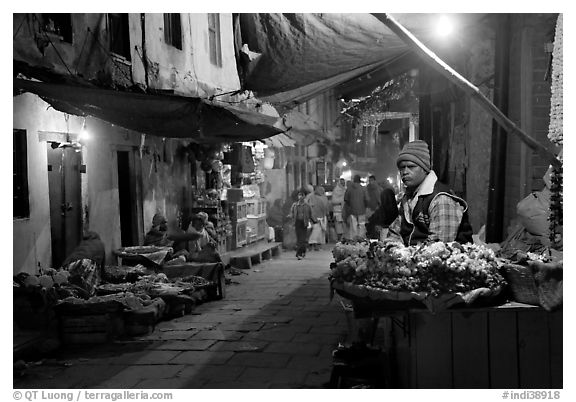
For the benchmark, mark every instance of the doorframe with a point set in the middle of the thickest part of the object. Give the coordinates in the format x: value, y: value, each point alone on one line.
x: 135, y: 191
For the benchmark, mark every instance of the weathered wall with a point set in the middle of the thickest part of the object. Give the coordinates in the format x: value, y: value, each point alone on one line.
x: 189, y: 71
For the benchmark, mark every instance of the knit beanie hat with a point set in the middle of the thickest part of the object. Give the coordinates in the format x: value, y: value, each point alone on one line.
x: 417, y: 152
x: 158, y: 219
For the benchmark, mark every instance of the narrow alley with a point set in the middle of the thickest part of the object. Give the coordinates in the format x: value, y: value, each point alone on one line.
x: 275, y: 328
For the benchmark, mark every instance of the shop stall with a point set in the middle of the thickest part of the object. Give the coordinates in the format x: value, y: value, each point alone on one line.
x: 457, y: 316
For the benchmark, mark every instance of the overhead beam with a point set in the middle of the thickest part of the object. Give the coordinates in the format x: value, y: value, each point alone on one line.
x: 435, y: 62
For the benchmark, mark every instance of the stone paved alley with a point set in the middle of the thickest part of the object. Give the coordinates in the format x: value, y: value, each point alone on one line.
x: 276, y: 328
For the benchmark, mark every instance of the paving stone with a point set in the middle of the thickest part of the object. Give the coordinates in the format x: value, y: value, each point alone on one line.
x: 310, y: 363
x: 171, y: 383
x: 328, y: 329
x: 192, y: 344
x: 332, y: 339
x: 271, y: 335
x: 130, y: 376
x: 219, y: 335
x: 155, y: 357
x: 269, y: 360
x: 293, y: 348
x: 234, y: 385
x: 242, y: 327
x: 199, y: 357
x: 169, y: 335
x: 246, y: 346
x: 212, y: 372
x: 257, y: 374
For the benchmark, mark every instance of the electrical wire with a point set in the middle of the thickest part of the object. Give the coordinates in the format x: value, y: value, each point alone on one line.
x: 82, y: 50
x: 55, y: 49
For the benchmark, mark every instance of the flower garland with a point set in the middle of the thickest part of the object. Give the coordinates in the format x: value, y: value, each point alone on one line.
x: 367, y: 110
x: 555, y: 130
x: 556, y: 136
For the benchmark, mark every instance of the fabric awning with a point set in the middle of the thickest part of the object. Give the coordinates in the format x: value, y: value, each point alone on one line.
x: 168, y: 116
x: 294, y: 57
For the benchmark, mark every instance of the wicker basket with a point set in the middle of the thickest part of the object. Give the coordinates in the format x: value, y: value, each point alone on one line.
x: 522, y: 284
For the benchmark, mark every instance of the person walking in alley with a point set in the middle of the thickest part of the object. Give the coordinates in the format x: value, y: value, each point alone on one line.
x: 387, y: 212
x: 373, y: 191
x: 355, y: 201
x: 301, y: 215
x: 337, y: 207
x: 319, y: 207
x: 429, y: 209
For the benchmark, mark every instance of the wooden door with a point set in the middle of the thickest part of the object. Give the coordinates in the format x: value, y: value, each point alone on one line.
x: 65, y: 201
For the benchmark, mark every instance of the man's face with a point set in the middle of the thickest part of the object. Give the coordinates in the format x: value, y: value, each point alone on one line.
x: 412, y: 174
x: 163, y: 226
x: 342, y: 182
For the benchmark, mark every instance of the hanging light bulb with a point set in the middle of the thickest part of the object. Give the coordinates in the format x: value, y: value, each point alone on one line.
x: 84, y: 135
x: 444, y: 26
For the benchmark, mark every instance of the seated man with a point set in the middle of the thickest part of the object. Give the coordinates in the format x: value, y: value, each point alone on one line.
x: 159, y: 235
x: 203, y: 247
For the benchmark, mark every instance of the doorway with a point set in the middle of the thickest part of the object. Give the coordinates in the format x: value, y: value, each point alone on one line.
x: 64, y: 191
x: 127, y: 196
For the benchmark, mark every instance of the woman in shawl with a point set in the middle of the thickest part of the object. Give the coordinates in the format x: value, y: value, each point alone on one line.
x: 319, y: 205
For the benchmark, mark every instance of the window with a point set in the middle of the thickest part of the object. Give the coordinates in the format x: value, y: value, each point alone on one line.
x: 21, y: 206
x: 173, y: 30
x: 58, y: 24
x: 214, y: 39
x: 119, y: 35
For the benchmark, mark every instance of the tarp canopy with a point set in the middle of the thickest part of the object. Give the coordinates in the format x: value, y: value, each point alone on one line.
x: 302, y: 55
x: 159, y: 115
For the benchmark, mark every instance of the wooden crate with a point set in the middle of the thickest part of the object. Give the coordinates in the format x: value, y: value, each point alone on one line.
x: 90, y: 328
x: 239, y: 233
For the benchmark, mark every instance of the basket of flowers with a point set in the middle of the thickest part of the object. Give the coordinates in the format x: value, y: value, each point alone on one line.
x: 436, y: 275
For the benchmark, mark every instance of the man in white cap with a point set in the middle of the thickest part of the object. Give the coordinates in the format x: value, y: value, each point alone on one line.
x: 429, y: 210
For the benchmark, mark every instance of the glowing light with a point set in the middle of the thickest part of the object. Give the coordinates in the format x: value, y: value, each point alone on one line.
x: 344, y: 164
x: 444, y: 26
x: 84, y: 135
x: 347, y: 175
x: 390, y: 180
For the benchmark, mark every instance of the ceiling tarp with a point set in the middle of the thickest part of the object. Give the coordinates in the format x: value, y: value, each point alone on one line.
x: 302, y: 55
x: 159, y: 115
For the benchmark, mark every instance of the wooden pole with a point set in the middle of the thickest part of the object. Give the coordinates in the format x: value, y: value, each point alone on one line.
x: 435, y: 62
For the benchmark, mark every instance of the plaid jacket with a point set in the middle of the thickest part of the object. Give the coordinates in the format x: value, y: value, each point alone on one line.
x: 434, y: 213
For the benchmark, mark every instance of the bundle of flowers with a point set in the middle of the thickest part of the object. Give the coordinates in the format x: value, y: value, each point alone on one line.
x: 434, y: 268
x: 555, y: 130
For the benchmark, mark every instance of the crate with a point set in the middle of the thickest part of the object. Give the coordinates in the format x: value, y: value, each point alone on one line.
x: 237, y: 210
x: 239, y: 233
x: 90, y: 328
x: 259, y: 227
x: 253, y: 207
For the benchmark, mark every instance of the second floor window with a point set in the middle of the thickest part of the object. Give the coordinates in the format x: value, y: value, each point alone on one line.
x: 173, y: 30
x: 119, y: 35
x: 21, y: 204
x: 214, y: 39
